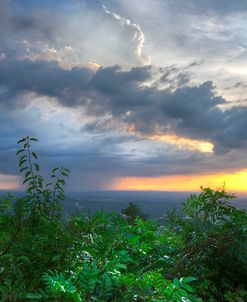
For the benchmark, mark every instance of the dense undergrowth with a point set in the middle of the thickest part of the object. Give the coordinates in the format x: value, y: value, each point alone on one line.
x: 198, y: 256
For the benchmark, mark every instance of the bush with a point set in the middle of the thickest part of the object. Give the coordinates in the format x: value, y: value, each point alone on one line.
x: 105, y: 257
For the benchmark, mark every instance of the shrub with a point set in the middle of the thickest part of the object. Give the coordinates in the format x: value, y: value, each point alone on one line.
x: 105, y: 257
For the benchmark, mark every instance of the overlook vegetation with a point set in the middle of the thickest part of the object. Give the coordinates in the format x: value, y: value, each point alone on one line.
x: 200, y: 255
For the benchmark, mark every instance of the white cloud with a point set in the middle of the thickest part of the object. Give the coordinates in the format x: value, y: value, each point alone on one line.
x: 138, y: 35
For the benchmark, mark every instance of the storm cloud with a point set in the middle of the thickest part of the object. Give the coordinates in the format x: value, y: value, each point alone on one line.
x: 188, y: 111
x: 114, y: 91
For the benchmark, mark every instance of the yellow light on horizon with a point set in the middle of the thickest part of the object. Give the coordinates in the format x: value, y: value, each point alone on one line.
x: 236, y: 182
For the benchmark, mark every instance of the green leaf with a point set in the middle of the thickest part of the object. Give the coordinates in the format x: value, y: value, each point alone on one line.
x: 30, y: 189
x: 61, y: 190
x: 61, y: 196
x: 23, y: 169
x: 19, y: 151
x: 22, y: 161
x: 188, y: 279
x: 36, y: 167
x: 22, y: 140
x: 61, y: 181
x: 24, y: 259
x: 176, y: 283
x: 27, y: 179
x: 34, y: 155
x: 22, y: 157
x: 33, y: 139
x: 27, y: 174
x: 56, y: 258
x: 188, y: 288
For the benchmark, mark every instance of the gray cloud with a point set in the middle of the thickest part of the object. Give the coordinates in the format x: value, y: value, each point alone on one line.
x: 47, y: 78
x: 189, y: 111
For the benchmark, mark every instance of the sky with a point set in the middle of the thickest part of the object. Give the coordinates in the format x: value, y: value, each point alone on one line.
x: 129, y: 95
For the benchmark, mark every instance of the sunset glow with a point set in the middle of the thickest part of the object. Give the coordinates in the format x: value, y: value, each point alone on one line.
x: 186, y: 143
x: 236, y: 182
x: 179, y: 141
x: 8, y: 182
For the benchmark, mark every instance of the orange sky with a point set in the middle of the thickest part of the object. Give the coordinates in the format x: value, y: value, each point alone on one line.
x: 9, y: 182
x: 235, y: 182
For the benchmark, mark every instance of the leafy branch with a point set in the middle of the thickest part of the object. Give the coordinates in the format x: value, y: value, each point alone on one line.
x: 44, y: 198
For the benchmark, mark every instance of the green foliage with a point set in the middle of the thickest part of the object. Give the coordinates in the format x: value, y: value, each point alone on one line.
x: 209, y: 206
x: 44, y: 197
x: 106, y: 257
x: 215, y: 243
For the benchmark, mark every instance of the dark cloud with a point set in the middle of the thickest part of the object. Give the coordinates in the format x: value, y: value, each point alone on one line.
x: 188, y: 111
x: 45, y: 78
x: 104, y: 77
